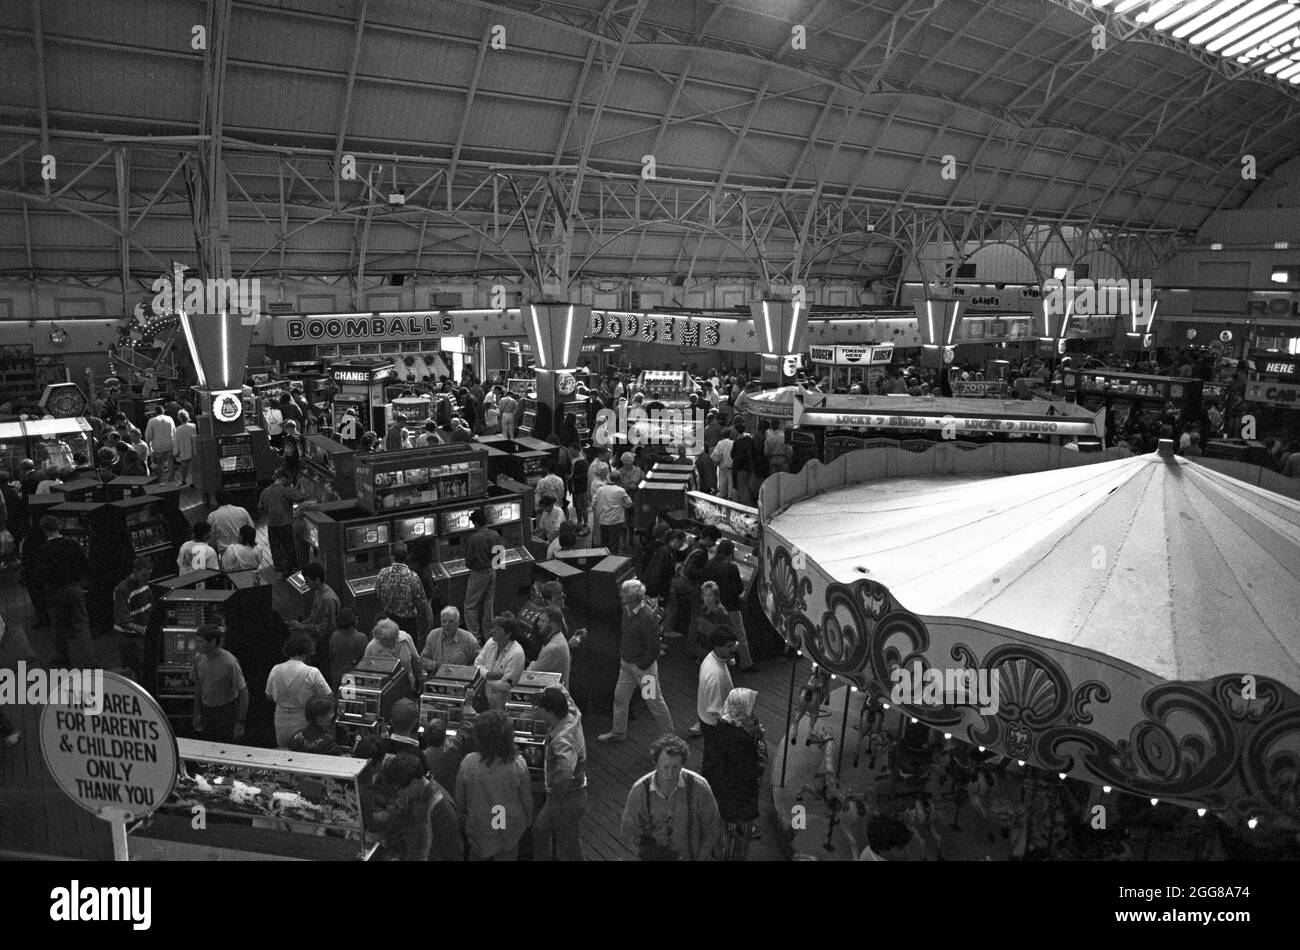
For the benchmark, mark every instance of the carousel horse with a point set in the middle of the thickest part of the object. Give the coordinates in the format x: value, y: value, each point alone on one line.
x: 871, y: 728
x: 826, y: 787
x: 812, y: 698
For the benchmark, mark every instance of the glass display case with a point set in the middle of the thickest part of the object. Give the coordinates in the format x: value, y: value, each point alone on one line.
x: 63, y: 443
x: 424, y: 476
x: 320, y: 794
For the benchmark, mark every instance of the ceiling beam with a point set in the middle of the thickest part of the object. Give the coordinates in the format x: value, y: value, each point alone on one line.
x: 346, y: 116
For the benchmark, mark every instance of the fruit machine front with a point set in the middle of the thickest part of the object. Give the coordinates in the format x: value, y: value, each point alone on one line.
x: 328, y: 470
x: 454, y: 529
x: 662, y: 491
x: 448, y: 697
x: 321, y: 533
x: 139, y: 527
x: 367, y: 694
x: 507, y: 515
x: 359, y: 385
x: 181, y: 612
x: 365, y: 553
x: 530, y: 728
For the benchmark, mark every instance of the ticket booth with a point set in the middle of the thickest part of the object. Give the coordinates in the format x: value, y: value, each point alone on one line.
x: 863, y: 366
x: 359, y: 385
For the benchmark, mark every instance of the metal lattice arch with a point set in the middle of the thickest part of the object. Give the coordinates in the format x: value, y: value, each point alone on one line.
x: 822, y: 158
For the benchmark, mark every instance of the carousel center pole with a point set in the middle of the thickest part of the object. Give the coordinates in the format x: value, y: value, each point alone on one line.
x: 844, y: 728
x: 789, y: 715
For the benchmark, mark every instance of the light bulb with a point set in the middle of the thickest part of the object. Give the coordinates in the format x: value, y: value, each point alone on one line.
x: 947, y: 735
x: 981, y: 748
x: 1200, y: 813
x: 1155, y: 801
x: 1106, y: 789
x: 1020, y: 762
x: 886, y: 705
x: 1252, y: 823
x: 853, y: 688
x: 913, y: 720
x: 1061, y: 775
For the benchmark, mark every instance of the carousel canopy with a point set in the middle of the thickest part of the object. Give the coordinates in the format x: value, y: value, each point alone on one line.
x: 1161, y: 563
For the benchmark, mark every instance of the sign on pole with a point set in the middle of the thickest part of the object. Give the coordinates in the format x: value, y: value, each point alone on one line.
x: 119, y: 764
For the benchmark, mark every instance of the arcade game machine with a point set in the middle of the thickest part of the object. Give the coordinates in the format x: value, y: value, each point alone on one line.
x: 366, y: 696
x: 530, y: 729
x: 365, y: 553
x: 88, y: 523
x: 140, y: 527
x: 230, y: 454
x: 359, y: 384
x: 662, y: 491
x: 328, y: 469
x: 448, y: 696
x: 254, y: 634
x: 534, y: 418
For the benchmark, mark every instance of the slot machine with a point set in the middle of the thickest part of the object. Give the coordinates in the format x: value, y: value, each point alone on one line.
x: 577, y: 407
x: 454, y: 528
x: 535, y: 418
x: 367, y: 694
x: 507, y: 515
x: 365, y: 553
x: 530, y: 728
x: 229, y: 454
x: 448, y: 696
x: 328, y: 469
x: 138, y: 527
x: 183, y: 611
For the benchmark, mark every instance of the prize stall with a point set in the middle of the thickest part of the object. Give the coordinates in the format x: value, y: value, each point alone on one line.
x: 63, y: 443
x: 1135, y: 397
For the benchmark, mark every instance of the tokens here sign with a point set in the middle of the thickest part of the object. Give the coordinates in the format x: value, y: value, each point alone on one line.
x: 122, y: 759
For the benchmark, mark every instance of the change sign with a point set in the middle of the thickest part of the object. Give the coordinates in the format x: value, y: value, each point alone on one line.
x: 120, y: 763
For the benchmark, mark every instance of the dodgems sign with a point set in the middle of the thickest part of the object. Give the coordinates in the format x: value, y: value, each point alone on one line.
x: 686, y: 332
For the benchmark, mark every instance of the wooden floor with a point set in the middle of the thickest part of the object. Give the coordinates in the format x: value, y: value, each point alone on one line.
x: 612, y: 768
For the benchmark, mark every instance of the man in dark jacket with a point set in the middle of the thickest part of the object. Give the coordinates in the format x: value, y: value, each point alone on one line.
x: 744, y: 465
x: 659, y: 563
x: 722, y: 570
x: 60, y: 568
x: 638, y: 664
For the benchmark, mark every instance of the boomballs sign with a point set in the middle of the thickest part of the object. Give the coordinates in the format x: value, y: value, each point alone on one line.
x: 680, y: 331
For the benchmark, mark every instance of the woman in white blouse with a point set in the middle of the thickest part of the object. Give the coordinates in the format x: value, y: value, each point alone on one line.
x: 503, y: 660
x: 291, y: 684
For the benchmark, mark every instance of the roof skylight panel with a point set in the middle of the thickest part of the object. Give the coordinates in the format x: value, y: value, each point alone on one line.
x: 1254, y: 31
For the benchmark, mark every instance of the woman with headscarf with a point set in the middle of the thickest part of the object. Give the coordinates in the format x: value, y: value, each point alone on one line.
x: 735, y: 756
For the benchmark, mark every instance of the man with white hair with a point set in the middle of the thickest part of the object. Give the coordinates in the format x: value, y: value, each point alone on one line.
x: 638, y: 664
x: 451, y: 643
